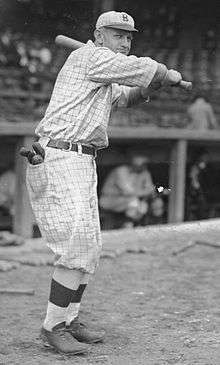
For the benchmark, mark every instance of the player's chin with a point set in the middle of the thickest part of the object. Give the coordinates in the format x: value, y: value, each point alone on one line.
x: 123, y: 51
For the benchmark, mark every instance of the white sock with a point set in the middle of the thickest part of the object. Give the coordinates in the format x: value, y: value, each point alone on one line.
x: 54, y: 316
x: 72, y: 312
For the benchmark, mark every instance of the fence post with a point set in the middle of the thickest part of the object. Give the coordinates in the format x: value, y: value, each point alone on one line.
x: 23, y: 216
x: 177, y: 176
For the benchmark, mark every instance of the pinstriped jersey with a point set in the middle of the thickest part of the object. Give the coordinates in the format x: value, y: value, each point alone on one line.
x: 92, y: 81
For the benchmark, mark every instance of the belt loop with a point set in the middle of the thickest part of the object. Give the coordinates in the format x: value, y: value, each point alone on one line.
x: 79, y: 149
x: 44, y: 141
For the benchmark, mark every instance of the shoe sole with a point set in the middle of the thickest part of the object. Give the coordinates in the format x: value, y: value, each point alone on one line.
x: 101, y: 339
x: 48, y: 346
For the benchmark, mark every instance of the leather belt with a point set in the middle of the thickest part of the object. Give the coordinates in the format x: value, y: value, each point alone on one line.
x: 69, y: 146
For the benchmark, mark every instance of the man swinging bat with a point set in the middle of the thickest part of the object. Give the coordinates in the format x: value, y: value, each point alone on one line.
x: 96, y: 78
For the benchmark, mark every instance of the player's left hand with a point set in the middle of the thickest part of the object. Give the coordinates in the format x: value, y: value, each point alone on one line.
x: 35, y: 156
x: 146, y: 92
x: 154, y: 86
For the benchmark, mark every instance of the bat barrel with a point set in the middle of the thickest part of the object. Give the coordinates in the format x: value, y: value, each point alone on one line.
x: 67, y: 42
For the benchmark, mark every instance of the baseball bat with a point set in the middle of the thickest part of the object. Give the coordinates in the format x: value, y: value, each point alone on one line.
x: 62, y: 40
x: 73, y: 44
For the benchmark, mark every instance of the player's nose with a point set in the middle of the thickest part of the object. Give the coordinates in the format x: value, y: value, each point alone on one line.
x: 125, y: 42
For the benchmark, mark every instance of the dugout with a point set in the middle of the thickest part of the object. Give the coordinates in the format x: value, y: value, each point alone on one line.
x: 170, y: 152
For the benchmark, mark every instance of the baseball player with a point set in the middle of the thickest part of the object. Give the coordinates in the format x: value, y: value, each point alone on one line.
x: 62, y: 189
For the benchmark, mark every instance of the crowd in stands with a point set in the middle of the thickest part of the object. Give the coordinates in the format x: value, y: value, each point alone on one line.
x: 27, y: 62
x: 159, y: 28
x: 20, y: 51
x: 30, y: 64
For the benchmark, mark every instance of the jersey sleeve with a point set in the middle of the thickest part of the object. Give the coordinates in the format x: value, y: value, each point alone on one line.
x: 120, y: 95
x: 148, y: 186
x: 107, y: 67
x: 125, y: 96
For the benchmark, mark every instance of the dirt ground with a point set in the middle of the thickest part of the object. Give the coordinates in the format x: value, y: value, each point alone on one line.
x: 157, y: 309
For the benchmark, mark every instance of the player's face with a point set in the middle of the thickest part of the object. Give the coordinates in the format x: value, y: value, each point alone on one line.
x: 139, y: 163
x: 117, y: 40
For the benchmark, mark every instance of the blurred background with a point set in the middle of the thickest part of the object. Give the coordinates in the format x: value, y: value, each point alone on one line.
x: 185, y: 35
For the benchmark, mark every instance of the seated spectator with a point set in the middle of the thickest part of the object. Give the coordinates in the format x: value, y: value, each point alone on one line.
x: 128, y: 191
x: 7, y: 191
x: 200, y: 113
x: 196, y: 187
x: 8, y: 53
x: 157, y: 214
x: 22, y: 51
x: 39, y: 56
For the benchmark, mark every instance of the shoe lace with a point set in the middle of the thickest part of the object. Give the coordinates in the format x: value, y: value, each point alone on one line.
x: 62, y: 333
x: 77, y: 323
x: 82, y: 325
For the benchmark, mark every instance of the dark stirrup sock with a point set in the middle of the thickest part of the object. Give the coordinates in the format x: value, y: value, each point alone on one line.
x: 60, y: 295
x: 60, y: 298
x: 77, y: 295
x: 74, y: 306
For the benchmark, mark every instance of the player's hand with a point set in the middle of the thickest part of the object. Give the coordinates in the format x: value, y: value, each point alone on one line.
x: 172, y: 78
x: 35, y: 156
x: 147, y: 91
x: 154, y: 86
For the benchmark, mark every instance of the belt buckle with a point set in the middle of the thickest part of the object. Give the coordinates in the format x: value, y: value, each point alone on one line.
x: 69, y: 148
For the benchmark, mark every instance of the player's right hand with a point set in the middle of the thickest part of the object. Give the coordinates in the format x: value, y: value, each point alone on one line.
x: 173, y: 77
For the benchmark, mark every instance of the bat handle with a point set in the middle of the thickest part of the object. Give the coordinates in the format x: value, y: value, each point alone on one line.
x: 186, y: 85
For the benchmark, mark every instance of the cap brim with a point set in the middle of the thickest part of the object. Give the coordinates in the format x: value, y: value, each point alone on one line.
x: 122, y: 26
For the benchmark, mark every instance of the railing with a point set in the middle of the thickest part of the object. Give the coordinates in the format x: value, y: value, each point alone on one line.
x: 177, y: 139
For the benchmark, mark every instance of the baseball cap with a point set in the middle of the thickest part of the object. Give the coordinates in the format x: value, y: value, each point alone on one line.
x: 115, y: 19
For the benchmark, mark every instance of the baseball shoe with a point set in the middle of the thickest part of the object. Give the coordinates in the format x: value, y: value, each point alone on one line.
x: 62, y: 341
x: 81, y: 332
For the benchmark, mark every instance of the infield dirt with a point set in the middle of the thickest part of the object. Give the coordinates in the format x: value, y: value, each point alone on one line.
x: 156, y: 308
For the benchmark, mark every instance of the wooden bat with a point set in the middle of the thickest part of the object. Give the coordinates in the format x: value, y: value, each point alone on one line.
x: 67, y: 42
x: 194, y: 243
x: 73, y: 44
x: 17, y: 291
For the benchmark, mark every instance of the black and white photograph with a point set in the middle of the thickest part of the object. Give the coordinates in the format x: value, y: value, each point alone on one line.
x: 109, y: 182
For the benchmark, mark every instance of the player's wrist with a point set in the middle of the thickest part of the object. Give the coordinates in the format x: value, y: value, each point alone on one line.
x: 160, y: 74
x: 166, y: 77
x: 145, y: 94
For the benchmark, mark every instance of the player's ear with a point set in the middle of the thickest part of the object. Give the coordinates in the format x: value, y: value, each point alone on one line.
x: 98, y: 37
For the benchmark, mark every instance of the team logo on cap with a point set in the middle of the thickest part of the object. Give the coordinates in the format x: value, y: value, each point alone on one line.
x: 125, y: 18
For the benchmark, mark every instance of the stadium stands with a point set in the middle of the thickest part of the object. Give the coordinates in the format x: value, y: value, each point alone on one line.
x: 29, y: 63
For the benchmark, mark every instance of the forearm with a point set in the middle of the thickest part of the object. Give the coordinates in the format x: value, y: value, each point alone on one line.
x: 166, y: 77
x: 146, y: 192
x: 213, y: 121
x: 141, y: 94
x: 161, y: 73
x: 105, y: 66
x: 137, y: 96
x: 162, y: 77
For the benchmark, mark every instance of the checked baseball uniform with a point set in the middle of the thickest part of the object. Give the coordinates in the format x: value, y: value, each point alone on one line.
x: 62, y: 189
